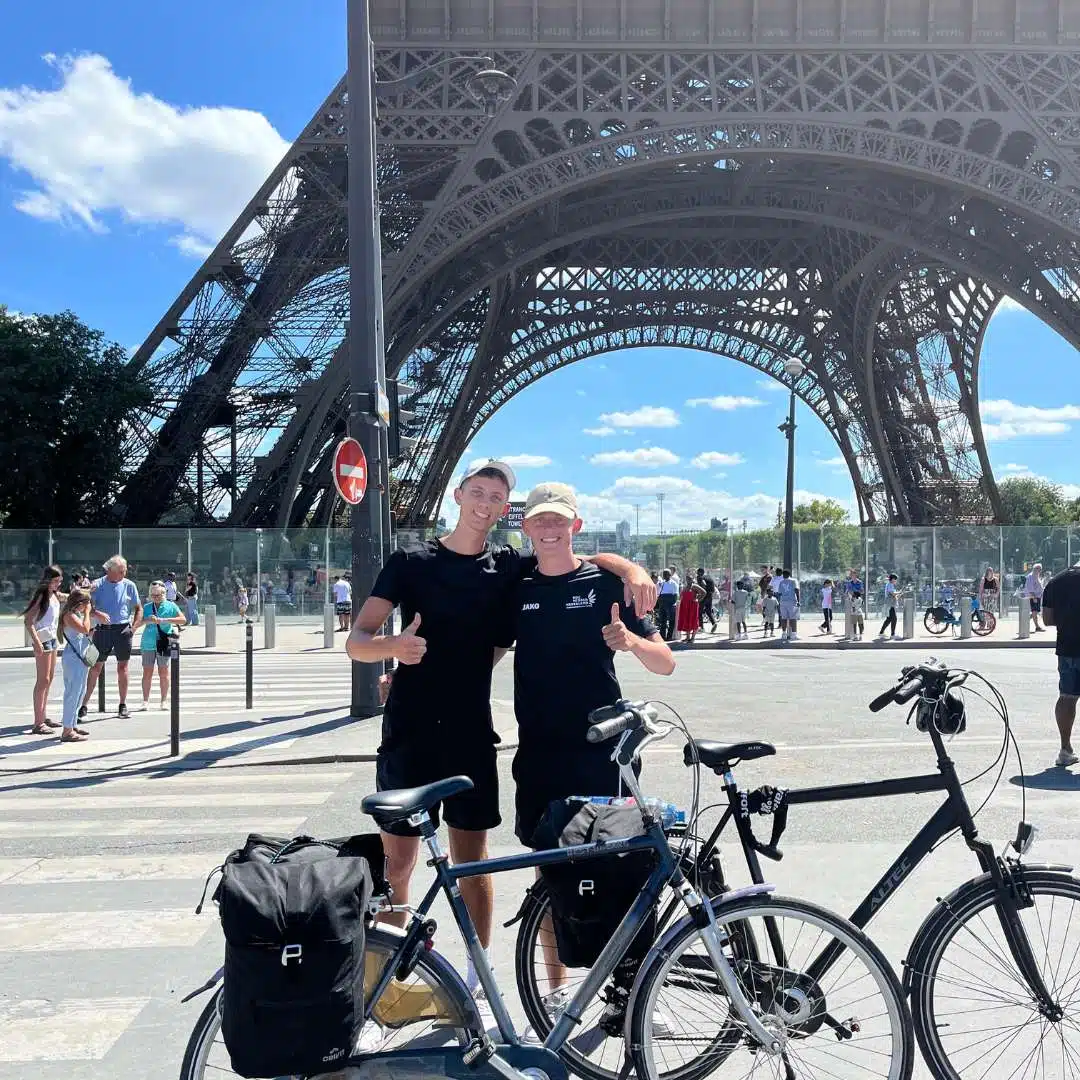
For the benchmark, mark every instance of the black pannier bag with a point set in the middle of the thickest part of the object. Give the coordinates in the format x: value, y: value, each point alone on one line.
x: 590, y: 898
x: 293, y: 913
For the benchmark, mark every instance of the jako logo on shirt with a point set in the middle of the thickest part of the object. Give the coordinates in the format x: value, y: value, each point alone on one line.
x: 530, y: 607
x: 582, y: 601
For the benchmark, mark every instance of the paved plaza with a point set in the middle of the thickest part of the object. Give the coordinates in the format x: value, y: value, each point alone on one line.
x: 101, y: 866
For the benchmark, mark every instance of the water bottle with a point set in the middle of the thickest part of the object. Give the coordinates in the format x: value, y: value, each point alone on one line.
x: 668, y: 813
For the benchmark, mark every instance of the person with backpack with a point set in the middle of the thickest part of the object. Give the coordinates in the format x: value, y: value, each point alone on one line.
x: 161, y: 619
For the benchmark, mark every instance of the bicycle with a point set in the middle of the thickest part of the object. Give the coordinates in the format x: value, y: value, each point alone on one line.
x: 941, y: 962
x: 766, y: 1013
x: 940, y: 617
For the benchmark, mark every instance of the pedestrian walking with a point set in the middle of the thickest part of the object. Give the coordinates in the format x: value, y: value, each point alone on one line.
x: 162, y: 618
x: 667, y: 596
x: 42, y: 619
x: 769, y: 607
x: 342, y: 602
x: 890, y: 609
x: 241, y: 597
x: 740, y: 601
x: 78, y: 660
x: 787, y: 593
x: 708, y: 600
x: 191, y: 599
x: 689, y: 617
x: 858, y: 616
x: 989, y: 590
x: 826, y: 606
x: 117, y: 608
x: 1033, y: 590
x: 1061, y: 608
x: 170, y: 586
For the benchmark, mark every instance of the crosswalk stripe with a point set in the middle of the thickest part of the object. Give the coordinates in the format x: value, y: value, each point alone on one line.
x: 191, y: 779
x: 52, y: 931
x: 59, y: 804
x: 109, y: 746
x: 183, y: 866
x: 75, y: 1029
x: 151, y: 826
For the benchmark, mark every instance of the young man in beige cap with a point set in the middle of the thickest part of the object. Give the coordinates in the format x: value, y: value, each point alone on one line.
x: 453, y: 594
x: 569, y: 618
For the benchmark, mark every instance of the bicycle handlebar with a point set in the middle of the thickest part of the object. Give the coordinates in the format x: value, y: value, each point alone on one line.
x: 612, y: 720
x: 914, y: 680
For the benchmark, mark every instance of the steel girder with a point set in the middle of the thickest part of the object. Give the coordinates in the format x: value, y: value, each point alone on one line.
x: 925, y: 178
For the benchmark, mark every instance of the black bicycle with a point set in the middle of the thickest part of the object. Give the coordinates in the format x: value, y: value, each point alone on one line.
x: 993, y: 975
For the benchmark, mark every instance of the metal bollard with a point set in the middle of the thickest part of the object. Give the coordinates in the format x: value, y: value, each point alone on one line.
x: 269, y: 626
x: 209, y: 621
x: 101, y: 690
x: 909, y: 617
x: 849, y: 621
x: 731, y: 616
x: 1025, y: 618
x: 174, y: 695
x: 965, y: 618
x: 249, y: 666
x: 328, y: 626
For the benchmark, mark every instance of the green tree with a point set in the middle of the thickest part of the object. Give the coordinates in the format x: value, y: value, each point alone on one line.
x: 820, y: 512
x: 66, y: 397
x: 1028, y: 501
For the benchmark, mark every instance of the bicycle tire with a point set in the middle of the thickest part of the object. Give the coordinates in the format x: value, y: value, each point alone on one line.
x: 983, y: 622
x: 805, y: 1000
x: 934, y: 622
x: 205, y: 1041
x: 528, y: 948
x: 927, y: 979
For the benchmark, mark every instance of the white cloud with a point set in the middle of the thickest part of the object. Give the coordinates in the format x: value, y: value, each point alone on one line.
x: 725, y: 402
x: 1007, y: 420
x: 1012, y: 467
x: 526, y: 461
x: 1007, y: 303
x: 580, y: 393
x: 647, y: 456
x: 601, y: 432
x: 710, y: 459
x: 92, y: 147
x: 833, y: 462
x: 770, y: 386
x: 648, y: 416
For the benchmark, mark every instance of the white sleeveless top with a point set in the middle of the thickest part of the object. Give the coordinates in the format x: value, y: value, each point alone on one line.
x: 47, y: 624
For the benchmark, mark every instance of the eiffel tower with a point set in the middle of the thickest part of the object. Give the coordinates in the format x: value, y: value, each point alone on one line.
x: 857, y: 183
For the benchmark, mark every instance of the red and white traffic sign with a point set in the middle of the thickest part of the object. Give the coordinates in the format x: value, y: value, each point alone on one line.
x: 350, y: 471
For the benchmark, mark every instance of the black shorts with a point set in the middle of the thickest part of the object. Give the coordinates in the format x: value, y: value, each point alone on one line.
x: 475, y: 811
x: 1036, y: 604
x: 113, y: 638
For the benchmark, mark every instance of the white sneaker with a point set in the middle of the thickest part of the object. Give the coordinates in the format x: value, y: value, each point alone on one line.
x: 555, y: 1005
x: 372, y: 1037
x: 793, y: 637
x: 1066, y: 757
x: 145, y: 704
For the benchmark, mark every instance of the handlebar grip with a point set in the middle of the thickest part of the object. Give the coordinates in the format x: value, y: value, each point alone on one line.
x: 606, y: 729
x: 882, y: 700
x: 908, y: 690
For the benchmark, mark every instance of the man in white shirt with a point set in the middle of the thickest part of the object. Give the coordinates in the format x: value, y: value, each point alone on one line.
x: 342, y: 602
x: 170, y: 586
x: 667, y: 597
x: 1033, y: 590
x: 787, y: 592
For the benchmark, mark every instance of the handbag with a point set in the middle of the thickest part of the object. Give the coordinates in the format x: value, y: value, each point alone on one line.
x: 89, y: 655
x: 161, y: 642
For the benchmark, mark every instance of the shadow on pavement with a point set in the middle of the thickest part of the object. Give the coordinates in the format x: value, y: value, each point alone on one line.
x: 1055, y: 778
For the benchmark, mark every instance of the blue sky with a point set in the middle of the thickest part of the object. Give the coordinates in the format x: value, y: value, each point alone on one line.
x: 131, y: 135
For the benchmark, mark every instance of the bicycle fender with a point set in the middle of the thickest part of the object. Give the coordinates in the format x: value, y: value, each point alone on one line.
x: 208, y: 985
x: 913, y: 962
x: 661, y: 946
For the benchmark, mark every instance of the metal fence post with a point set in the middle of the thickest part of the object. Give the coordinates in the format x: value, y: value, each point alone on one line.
x: 909, y: 617
x: 1025, y: 618
x: 249, y: 667
x: 965, y: 617
x: 849, y: 621
x: 101, y: 689
x: 174, y: 695
x: 209, y: 620
x: 270, y: 626
x: 328, y: 626
x: 50, y: 546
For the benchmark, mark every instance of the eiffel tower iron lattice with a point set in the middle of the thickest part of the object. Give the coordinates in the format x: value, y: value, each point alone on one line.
x: 858, y: 185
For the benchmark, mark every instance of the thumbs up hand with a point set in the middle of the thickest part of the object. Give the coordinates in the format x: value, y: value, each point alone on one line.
x: 409, y: 647
x: 616, y: 635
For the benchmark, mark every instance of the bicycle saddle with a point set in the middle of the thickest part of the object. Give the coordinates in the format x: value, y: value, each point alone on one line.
x: 396, y: 804
x: 718, y: 755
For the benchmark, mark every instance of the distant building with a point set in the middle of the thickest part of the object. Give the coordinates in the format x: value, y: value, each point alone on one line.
x: 622, y: 536
x: 719, y: 525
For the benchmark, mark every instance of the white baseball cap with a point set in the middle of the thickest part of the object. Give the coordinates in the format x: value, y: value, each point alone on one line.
x: 499, y: 466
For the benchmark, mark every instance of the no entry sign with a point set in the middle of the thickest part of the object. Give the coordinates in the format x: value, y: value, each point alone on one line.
x: 350, y: 471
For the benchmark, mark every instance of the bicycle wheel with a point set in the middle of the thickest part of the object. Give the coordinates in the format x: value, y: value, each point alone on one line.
x: 936, y: 620
x: 420, y: 1007
x: 983, y: 622
x: 972, y: 1010
x: 849, y: 1023
x: 596, y: 1051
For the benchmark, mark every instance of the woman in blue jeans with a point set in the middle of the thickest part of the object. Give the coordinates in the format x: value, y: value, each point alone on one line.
x: 75, y: 628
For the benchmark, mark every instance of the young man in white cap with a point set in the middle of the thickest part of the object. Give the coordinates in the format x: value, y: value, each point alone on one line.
x: 437, y: 720
x: 569, y: 618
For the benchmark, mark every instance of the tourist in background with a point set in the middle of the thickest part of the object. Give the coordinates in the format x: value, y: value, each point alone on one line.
x: 740, y: 602
x: 826, y: 606
x: 1062, y: 609
x: 241, y: 599
x: 42, y: 619
x: 787, y: 592
x: 891, y: 597
x: 191, y: 599
x: 117, y: 609
x: 769, y: 608
x: 342, y: 591
x: 76, y: 623
x: 989, y: 590
x: 161, y: 619
x: 667, y: 596
x: 708, y: 601
x: 1033, y: 590
x: 170, y: 586
x: 689, y: 618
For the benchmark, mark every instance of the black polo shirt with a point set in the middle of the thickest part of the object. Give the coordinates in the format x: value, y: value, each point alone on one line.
x: 1062, y: 596
x: 462, y: 603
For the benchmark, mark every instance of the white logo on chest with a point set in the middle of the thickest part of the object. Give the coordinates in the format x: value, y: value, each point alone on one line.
x: 530, y: 607
x: 581, y: 601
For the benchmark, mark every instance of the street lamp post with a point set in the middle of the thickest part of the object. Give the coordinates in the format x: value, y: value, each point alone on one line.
x: 364, y: 338
x: 794, y: 367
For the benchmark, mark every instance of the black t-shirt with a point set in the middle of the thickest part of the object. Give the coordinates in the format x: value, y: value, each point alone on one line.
x: 462, y: 601
x: 1062, y: 596
x: 563, y: 668
x: 709, y: 586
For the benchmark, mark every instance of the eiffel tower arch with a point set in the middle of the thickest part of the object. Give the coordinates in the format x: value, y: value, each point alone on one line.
x: 858, y: 185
